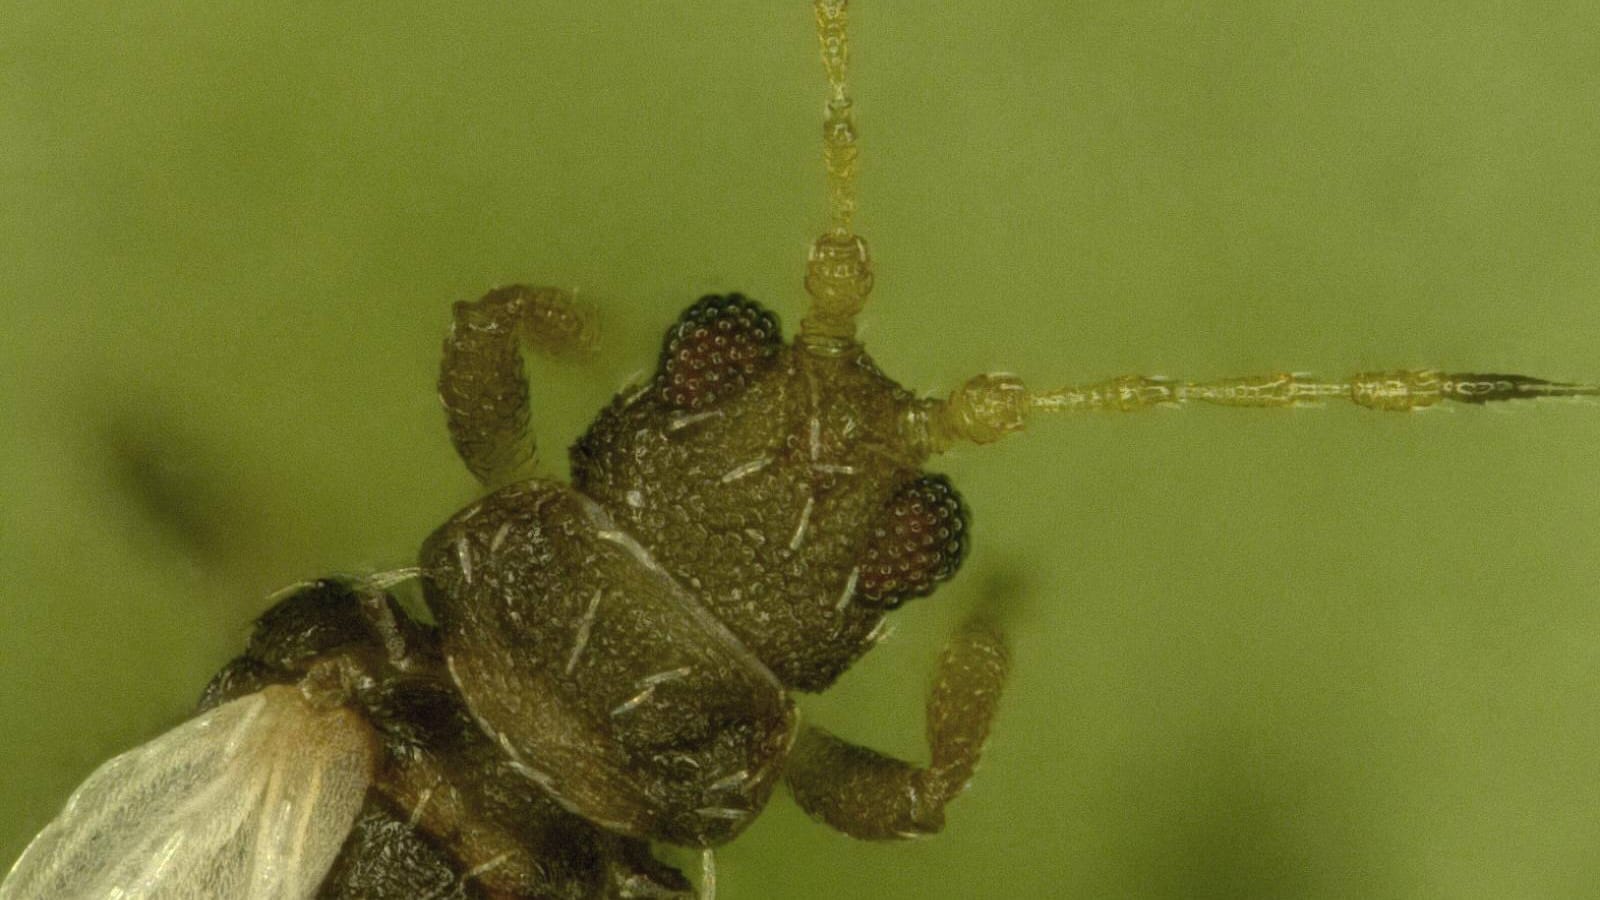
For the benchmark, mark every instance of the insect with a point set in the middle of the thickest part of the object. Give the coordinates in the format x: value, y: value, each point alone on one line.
x: 1189, y: 423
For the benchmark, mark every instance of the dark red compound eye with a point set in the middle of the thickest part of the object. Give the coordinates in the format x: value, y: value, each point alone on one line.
x: 714, y: 348
x: 917, y: 542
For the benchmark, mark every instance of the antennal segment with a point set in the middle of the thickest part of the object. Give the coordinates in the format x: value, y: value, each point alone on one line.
x: 990, y: 407
x: 839, y: 271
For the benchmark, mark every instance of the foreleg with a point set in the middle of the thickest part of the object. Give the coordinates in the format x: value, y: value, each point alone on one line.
x: 866, y: 794
x: 481, y: 379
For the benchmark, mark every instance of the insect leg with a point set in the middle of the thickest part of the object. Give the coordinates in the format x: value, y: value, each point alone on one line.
x: 708, y: 875
x: 989, y: 407
x: 481, y: 380
x: 385, y: 856
x: 866, y: 794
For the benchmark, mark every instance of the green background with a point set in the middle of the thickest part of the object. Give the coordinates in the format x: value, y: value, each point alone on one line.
x: 1323, y: 653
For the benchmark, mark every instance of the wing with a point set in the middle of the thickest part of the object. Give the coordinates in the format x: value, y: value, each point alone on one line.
x: 252, y: 799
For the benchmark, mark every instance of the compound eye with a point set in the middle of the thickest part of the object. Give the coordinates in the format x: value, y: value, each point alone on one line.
x: 714, y: 349
x: 918, y: 541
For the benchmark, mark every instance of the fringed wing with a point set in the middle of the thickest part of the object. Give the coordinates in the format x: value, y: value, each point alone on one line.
x: 252, y: 799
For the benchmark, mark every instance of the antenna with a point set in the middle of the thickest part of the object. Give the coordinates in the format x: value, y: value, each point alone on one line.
x: 988, y: 407
x: 839, y: 271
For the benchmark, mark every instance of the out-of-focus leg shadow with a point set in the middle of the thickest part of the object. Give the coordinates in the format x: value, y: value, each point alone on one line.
x: 165, y: 477
x: 183, y: 501
x: 1224, y: 827
x: 1001, y: 598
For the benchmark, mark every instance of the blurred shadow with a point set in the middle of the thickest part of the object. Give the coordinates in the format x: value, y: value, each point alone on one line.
x: 1226, y: 829
x: 175, y: 491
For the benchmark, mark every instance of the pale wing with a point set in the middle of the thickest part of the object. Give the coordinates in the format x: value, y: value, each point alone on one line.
x: 251, y: 800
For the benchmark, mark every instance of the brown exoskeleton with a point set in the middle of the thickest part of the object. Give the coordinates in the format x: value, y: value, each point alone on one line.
x: 613, y: 657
